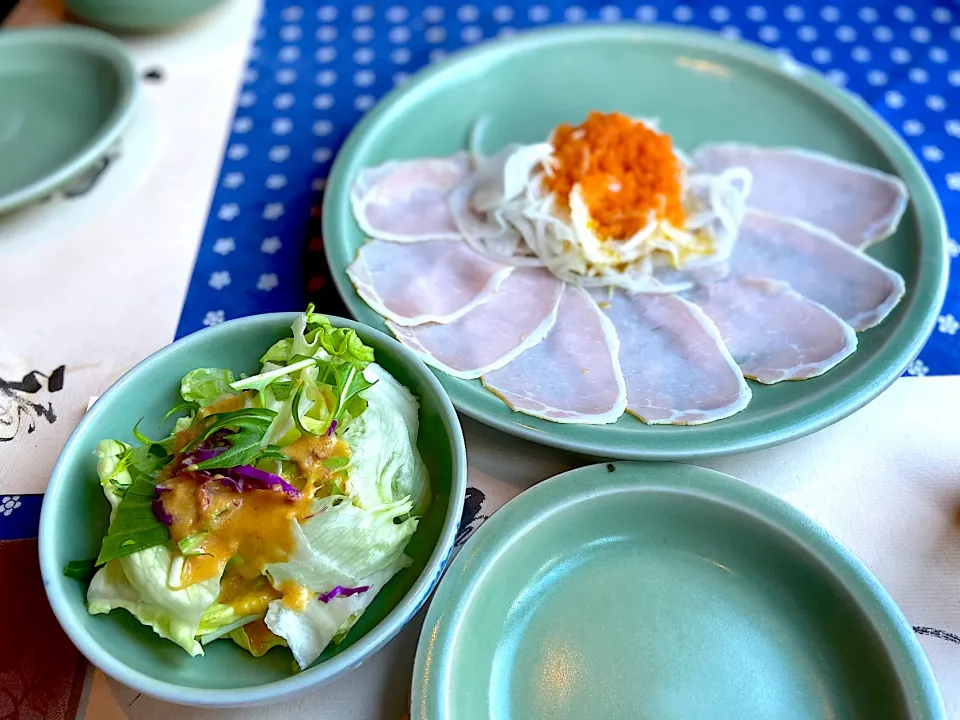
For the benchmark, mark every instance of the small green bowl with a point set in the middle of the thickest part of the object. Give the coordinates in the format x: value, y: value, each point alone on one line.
x: 75, y: 515
x: 138, y: 15
x: 67, y: 94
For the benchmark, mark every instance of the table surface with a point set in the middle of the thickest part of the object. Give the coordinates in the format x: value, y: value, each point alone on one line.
x: 212, y: 215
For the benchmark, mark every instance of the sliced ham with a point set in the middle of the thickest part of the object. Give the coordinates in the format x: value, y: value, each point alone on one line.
x: 406, y: 201
x: 676, y: 368
x: 817, y: 264
x: 773, y: 332
x: 514, y: 319
x: 572, y: 376
x: 430, y: 281
x: 858, y: 204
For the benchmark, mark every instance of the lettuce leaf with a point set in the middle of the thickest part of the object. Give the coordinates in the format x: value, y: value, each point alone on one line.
x: 240, y: 637
x: 205, y: 386
x: 279, y: 353
x: 138, y: 583
x: 311, y: 379
x: 126, y: 475
x: 341, y: 544
x: 220, y: 620
x: 309, y: 631
x: 385, y: 465
x: 341, y: 343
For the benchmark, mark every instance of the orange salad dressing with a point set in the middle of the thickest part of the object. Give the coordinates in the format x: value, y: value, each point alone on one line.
x: 627, y: 173
x: 253, y: 527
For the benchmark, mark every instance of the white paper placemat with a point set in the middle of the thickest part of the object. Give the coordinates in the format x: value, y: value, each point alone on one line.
x: 99, y: 283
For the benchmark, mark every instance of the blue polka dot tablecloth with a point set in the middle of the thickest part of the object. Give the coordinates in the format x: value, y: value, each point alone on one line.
x: 314, y: 69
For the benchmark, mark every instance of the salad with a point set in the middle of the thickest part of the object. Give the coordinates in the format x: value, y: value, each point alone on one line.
x: 277, y: 507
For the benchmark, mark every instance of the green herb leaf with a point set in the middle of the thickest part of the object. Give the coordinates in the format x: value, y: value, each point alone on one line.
x: 81, y: 569
x: 134, y: 528
x: 245, y: 418
x: 191, y: 544
x: 273, y: 452
x: 244, y: 450
x: 147, y: 460
x: 295, y: 411
x: 261, y: 381
x: 336, y: 463
x: 187, y: 405
x: 350, y: 383
x: 141, y: 438
x: 282, y: 389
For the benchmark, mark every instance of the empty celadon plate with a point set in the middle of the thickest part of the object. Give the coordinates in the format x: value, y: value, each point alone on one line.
x: 66, y: 94
x: 669, y: 592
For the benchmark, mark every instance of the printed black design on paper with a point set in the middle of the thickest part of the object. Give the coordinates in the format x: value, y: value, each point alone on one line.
x: 471, y: 518
x: 153, y: 75
x: 85, y: 182
x: 939, y: 634
x: 19, y: 406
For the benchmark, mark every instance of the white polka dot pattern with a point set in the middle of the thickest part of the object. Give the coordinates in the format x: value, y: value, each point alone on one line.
x: 315, y: 68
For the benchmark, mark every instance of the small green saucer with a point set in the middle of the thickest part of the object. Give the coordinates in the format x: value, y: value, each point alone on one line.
x: 635, y: 590
x: 67, y: 94
x: 138, y: 16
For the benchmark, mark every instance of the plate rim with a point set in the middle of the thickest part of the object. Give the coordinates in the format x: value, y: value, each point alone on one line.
x: 93, y: 43
x: 565, y: 490
x: 925, y: 301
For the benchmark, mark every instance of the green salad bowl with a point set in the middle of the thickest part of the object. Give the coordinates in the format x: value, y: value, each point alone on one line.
x: 75, y: 514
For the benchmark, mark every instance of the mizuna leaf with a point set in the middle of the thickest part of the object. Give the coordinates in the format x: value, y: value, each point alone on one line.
x: 134, y: 528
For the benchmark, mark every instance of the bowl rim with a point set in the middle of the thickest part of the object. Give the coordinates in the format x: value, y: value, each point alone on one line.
x: 922, y: 302
x: 94, y: 43
x: 325, y: 672
x: 506, y: 528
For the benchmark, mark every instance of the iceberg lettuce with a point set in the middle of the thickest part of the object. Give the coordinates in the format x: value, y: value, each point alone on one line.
x: 385, y: 466
x: 205, y: 386
x: 138, y: 582
x: 309, y: 631
x: 341, y: 544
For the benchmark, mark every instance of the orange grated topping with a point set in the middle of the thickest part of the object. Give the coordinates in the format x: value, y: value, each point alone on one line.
x: 625, y: 170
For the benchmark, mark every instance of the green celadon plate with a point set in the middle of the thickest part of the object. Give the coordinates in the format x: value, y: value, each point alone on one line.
x: 702, y: 88
x: 66, y: 94
x: 667, y: 592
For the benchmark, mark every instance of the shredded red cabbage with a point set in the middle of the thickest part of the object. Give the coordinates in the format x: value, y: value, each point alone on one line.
x: 265, y: 479
x: 231, y: 483
x: 241, y: 477
x: 159, y: 511
x: 339, y: 591
x: 333, y: 428
x: 201, y: 454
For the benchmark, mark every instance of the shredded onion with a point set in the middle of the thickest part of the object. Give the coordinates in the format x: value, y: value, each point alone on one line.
x: 531, y: 231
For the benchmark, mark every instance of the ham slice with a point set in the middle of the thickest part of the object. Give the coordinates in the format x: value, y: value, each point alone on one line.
x: 773, y: 332
x: 572, y: 376
x: 818, y: 265
x: 675, y: 366
x: 514, y: 319
x: 858, y: 204
x: 431, y: 281
x: 406, y: 201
